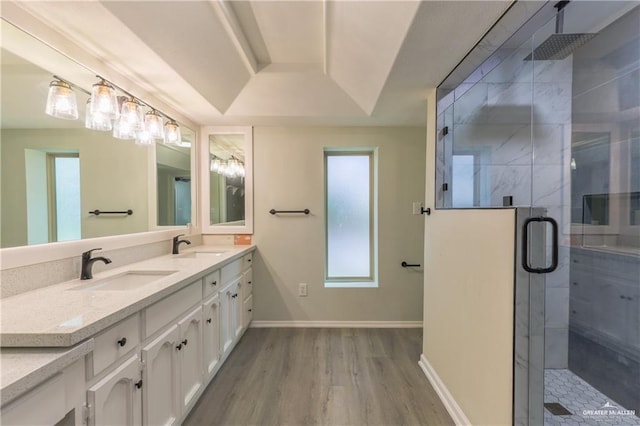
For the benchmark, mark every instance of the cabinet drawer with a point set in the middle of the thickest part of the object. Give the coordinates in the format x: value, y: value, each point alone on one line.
x: 168, y: 309
x: 115, y: 342
x: 211, y: 283
x: 247, y: 260
x: 231, y: 271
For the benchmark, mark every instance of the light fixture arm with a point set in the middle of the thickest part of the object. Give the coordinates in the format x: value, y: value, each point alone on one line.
x: 75, y: 86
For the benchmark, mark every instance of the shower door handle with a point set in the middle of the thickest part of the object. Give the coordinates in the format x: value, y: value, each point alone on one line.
x: 525, y: 245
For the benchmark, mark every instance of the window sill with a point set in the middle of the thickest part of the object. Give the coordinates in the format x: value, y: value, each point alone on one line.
x: 351, y: 284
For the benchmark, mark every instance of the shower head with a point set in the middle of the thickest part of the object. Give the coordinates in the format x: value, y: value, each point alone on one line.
x: 559, y: 45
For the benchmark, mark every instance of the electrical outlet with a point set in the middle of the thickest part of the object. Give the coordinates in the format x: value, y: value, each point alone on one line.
x: 417, y: 207
x: 302, y: 289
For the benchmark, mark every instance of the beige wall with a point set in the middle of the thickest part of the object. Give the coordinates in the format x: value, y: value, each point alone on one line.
x: 113, y: 177
x: 468, y: 302
x: 289, y: 174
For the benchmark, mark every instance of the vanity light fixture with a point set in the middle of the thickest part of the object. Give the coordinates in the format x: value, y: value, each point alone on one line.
x: 172, y: 133
x: 96, y: 120
x: 61, y: 100
x: 106, y: 111
x: 131, y: 114
x: 153, y: 124
x: 104, y: 100
x: 230, y: 168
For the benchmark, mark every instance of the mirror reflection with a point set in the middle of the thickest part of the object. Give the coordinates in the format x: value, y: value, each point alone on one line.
x: 173, y: 171
x: 56, y: 174
x: 227, y: 185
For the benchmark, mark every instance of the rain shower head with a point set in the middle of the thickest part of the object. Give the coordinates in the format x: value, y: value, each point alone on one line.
x: 559, y: 45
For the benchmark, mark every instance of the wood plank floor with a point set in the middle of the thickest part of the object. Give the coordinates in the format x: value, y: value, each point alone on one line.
x: 309, y: 376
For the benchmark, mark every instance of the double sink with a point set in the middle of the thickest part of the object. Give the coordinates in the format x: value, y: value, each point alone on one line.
x: 132, y: 280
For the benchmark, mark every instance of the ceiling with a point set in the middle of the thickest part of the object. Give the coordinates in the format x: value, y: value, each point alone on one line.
x: 278, y: 62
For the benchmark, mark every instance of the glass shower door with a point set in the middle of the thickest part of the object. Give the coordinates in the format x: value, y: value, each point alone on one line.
x: 585, y: 121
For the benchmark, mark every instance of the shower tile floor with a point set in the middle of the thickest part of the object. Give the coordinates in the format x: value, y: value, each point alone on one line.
x: 576, y: 395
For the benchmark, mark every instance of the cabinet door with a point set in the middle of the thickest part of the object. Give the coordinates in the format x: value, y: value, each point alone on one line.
x: 247, y: 283
x: 237, y: 308
x: 211, y: 334
x: 190, y: 355
x: 160, y: 377
x: 247, y: 311
x: 116, y: 399
x: 228, y: 314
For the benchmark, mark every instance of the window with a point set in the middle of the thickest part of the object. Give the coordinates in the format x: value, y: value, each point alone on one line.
x: 350, y: 197
x: 64, y: 197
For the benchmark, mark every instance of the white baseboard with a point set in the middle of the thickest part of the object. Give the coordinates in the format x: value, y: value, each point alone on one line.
x: 456, y: 413
x: 336, y: 324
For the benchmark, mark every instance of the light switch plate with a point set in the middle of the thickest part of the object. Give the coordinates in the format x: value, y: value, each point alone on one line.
x: 417, y: 207
x: 302, y: 289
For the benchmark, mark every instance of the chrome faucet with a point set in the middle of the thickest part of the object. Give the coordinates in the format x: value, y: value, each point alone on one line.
x: 88, y: 261
x: 176, y: 243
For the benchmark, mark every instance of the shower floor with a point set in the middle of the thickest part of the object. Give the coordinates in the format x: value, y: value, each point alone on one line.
x: 577, y: 396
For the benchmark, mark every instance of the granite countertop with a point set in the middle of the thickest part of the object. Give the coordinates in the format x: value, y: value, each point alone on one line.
x: 24, y: 368
x: 62, y: 316
x: 40, y: 327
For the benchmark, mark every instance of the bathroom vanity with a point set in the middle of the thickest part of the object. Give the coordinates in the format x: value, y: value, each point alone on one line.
x: 134, y: 345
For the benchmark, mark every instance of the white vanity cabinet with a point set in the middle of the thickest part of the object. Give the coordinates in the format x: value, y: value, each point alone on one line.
x: 116, y: 398
x: 152, y: 366
x: 211, y: 335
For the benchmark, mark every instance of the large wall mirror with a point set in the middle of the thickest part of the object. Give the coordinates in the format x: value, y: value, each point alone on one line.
x: 54, y: 171
x: 228, y: 180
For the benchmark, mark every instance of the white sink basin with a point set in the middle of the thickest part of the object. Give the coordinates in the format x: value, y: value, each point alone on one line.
x: 200, y: 254
x: 129, y: 280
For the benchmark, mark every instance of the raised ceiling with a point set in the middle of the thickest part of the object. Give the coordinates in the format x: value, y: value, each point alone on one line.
x: 279, y: 62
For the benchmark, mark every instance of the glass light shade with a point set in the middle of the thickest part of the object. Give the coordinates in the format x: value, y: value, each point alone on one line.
x: 131, y: 115
x: 104, y: 100
x: 215, y: 165
x: 223, y: 170
x: 153, y: 124
x: 61, y: 101
x: 122, y: 130
x: 96, y: 121
x: 144, y: 137
x: 232, y: 167
x: 172, y: 133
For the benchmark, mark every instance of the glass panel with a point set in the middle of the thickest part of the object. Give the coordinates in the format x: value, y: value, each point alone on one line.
x: 67, y: 196
x: 462, y: 180
x: 227, y: 179
x: 348, y: 216
x: 491, y: 121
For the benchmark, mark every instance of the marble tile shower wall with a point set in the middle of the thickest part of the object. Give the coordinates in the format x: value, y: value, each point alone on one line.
x: 32, y: 277
x: 516, y: 122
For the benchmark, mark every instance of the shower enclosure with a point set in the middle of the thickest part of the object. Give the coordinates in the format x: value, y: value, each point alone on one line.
x: 550, y: 121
